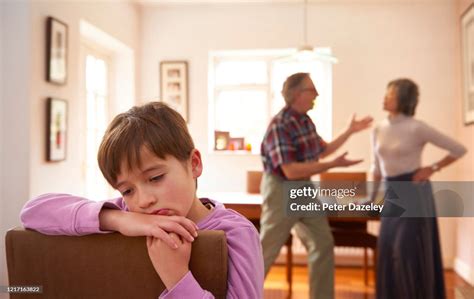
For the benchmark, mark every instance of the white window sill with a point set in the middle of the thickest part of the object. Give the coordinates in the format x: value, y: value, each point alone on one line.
x: 232, y: 153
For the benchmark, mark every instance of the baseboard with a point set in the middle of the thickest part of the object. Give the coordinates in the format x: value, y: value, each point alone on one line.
x: 464, y: 270
x: 351, y: 260
x: 301, y: 259
x: 448, y: 263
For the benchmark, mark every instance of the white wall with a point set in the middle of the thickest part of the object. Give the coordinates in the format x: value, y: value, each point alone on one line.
x: 120, y: 20
x: 374, y: 42
x: 2, y: 247
x: 24, y: 94
x: 464, y: 262
x: 16, y: 48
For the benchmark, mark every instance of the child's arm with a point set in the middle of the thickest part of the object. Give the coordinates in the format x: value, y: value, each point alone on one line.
x: 245, y: 267
x: 172, y: 265
x: 65, y: 214
x: 138, y: 224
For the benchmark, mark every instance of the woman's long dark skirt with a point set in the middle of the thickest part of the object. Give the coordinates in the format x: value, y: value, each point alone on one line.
x: 409, y: 263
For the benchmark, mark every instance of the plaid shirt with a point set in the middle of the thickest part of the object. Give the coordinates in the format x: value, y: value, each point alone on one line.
x: 290, y: 137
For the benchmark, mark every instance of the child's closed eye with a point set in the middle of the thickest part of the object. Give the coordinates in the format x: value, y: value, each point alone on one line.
x: 157, y: 178
x: 126, y: 192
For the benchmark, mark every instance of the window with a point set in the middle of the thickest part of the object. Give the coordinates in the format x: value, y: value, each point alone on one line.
x: 96, y: 98
x: 107, y: 88
x: 246, y: 93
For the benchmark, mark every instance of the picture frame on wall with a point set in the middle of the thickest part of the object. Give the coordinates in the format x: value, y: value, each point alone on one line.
x: 174, y: 86
x: 221, y: 140
x: 56, y: 51
x: 467, y: 47
x: 56, y: 138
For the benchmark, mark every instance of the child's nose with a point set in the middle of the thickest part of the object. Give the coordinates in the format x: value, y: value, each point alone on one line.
x: 146, y: 200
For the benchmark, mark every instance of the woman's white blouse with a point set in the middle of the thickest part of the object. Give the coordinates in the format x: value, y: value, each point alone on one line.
x: 398, y: 143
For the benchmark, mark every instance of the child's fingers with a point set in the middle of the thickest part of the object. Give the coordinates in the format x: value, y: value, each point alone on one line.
x: 176, y: 238
x: 165, y: 237
x: 189, y: 225
x: 173, y: 227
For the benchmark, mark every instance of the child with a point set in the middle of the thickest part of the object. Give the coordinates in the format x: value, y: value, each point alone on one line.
x: 148, y: 155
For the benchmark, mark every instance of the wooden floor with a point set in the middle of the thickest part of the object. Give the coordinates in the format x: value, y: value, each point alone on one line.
x: 349, y: 284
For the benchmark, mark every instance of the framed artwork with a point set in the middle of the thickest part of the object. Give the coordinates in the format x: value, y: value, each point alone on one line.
x: 174, y: 86
x: 236, y: 144
x: 221, y: 140
x: 467, y: 44
x: 56, y: 51
x: 56, y: 139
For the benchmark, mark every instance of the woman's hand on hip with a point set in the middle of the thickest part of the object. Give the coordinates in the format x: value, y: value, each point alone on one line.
x: 422, y: 174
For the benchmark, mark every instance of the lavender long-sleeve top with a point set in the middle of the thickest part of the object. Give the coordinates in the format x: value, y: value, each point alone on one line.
x: 64, y: 214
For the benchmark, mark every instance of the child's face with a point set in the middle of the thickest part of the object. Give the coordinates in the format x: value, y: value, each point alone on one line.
x: 162, y: 187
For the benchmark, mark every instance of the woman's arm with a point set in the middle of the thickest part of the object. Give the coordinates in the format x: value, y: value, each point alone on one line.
x: 425, y: 173
x: 376, y: 186
x: 375, y: 168
x: 431, y: 135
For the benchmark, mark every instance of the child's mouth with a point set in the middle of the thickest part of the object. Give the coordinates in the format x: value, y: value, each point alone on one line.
x: 165, y: 212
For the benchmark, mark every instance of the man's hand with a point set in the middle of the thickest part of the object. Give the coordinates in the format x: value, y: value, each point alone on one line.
x: 157, y: 226
x: 341, y: 161
x: 170, y: 264
x: 359, y: 125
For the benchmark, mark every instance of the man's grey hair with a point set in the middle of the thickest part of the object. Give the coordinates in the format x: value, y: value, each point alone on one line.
x: 291, y: 85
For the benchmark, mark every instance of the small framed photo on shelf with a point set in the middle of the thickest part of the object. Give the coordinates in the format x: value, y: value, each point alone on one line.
x: 236, y: 144
x: 56, y: 51
x: 221, y: 140
x: 174, y: 86
x: 56, y: 138
x: 467, y: 44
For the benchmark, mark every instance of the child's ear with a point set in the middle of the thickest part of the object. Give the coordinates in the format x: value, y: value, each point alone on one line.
x: 196, y: 163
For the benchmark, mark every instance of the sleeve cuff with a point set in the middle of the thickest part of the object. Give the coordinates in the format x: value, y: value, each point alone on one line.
x: 187, y: 287
x: 87, y: 217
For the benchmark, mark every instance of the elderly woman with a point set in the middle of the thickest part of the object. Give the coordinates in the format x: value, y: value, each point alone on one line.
x: 409, y: 261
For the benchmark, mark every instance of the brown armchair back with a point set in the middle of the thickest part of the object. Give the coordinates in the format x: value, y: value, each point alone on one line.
x: 105, y: 265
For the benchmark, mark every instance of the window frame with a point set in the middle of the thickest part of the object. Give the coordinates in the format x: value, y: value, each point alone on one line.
x: 269, y: 56
x: 90, y: 48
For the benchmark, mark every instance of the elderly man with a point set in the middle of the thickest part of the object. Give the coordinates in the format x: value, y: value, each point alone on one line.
x: 291, y: 150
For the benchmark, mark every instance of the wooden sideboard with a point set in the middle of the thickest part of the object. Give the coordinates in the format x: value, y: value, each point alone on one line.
x: 347, y: 231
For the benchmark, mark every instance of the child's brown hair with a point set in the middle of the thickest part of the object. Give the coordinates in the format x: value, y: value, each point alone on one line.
x: 154, y: 125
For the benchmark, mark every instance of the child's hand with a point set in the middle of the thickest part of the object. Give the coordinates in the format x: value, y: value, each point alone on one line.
x: 157, y: 226
x: 170, y: 264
